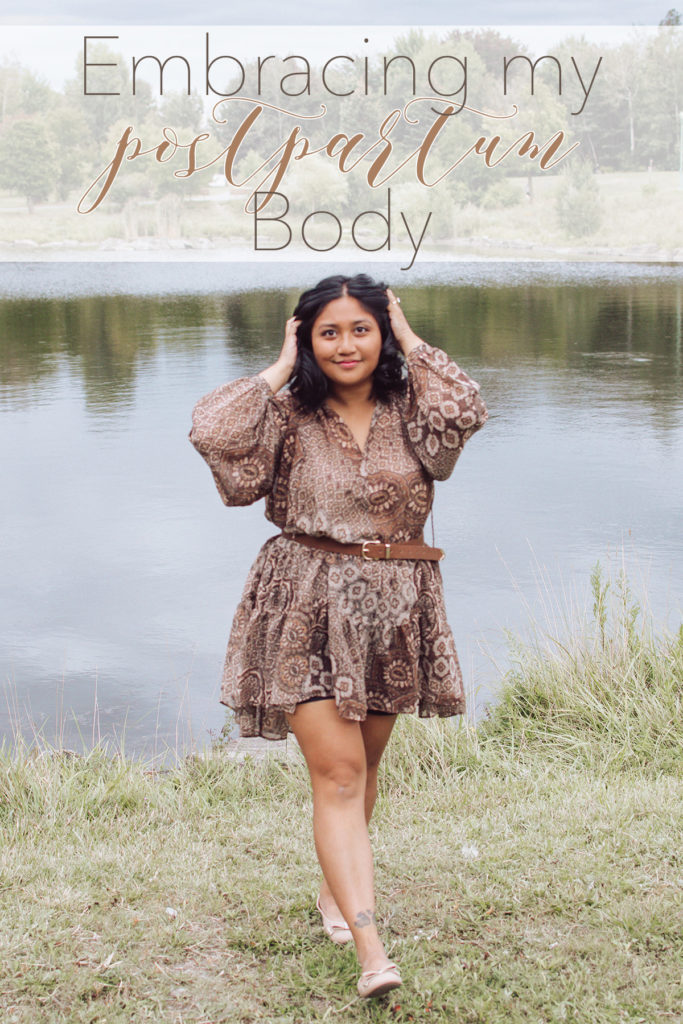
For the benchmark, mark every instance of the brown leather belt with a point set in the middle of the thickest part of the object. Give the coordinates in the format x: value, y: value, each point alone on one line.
x: 371, y: 550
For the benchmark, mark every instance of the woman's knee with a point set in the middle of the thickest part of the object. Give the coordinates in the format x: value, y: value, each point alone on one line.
x: 341, y: 778
x: 333, y: 748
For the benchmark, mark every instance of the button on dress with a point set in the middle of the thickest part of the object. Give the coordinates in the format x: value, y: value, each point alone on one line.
x: 312, y: 623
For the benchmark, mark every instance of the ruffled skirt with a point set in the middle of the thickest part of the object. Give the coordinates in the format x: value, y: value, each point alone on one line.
x: 313, y: 623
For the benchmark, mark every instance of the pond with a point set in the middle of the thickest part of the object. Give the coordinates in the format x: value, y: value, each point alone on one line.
x: 121, y: 567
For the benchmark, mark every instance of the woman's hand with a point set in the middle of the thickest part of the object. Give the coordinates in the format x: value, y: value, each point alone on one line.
x: 290, y: 348
x: 403, y: 332
x: 279, y: 373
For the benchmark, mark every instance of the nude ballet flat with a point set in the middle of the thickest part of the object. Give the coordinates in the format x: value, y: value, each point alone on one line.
x: 376, y: 983
x: 338, y: 931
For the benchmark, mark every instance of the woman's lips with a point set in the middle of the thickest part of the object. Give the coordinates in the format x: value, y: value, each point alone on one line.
x: 348, y: 362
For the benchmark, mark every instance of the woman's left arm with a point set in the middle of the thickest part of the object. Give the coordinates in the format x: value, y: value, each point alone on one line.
x: 443, y: 406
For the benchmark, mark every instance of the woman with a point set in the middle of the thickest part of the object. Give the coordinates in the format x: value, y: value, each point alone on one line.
x: 342, y: 622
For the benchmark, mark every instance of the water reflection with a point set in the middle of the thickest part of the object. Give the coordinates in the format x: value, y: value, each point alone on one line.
x: 122, y: 568
x: 108, y: 341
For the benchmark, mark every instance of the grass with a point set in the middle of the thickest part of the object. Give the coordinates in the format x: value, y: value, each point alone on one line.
x: 640, y: 216
x: 527, y: 871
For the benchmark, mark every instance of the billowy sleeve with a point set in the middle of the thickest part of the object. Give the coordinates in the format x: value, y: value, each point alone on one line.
x: 238, y: 429
x: 442, y: 409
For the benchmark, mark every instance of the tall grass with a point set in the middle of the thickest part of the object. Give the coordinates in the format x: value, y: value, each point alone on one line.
x: 606, y: 694
x: 526, y: 870
x: 609, y: 693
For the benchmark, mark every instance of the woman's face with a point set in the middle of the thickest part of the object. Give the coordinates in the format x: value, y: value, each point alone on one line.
x: 347, y: 342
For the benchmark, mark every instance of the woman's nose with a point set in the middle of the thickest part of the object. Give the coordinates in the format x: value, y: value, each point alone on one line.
x: 347, y: 342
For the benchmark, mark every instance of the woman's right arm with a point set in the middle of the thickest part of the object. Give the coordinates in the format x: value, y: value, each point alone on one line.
x: 443, y: 407
x: 279, y: 373
x: 238, y: 429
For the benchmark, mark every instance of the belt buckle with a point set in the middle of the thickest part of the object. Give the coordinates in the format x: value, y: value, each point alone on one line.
x: 371, y: 558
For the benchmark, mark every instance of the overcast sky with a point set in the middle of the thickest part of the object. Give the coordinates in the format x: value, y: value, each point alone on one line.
x: 337, y: 12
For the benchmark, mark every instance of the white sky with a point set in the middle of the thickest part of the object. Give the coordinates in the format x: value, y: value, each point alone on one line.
x: 340, y: 12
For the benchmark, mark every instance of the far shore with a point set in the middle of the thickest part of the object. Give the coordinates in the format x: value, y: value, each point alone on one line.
x: 201, y: 251
x: 627, y: 217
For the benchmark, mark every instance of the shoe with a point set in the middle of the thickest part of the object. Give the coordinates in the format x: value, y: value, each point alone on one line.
x: 338, y: 931
x: 376, y: 983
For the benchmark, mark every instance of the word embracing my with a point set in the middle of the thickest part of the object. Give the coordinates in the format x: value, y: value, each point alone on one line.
x: 341, y: 75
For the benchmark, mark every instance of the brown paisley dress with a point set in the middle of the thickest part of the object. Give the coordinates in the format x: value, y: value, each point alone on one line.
x: 311, y: 623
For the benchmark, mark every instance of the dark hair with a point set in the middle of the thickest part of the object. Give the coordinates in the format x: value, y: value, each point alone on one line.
x: 309, y: 384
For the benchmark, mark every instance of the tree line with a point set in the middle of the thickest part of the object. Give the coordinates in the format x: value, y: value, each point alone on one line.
x: 53, y: 143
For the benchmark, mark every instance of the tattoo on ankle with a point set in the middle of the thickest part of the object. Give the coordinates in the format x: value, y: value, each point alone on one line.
x: 364, y: 918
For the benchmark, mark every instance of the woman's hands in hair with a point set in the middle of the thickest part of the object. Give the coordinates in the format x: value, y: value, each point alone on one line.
x: 279, y: 373
x: 404, y: 334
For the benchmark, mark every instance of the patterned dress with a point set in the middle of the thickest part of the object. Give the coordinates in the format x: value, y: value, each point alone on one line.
x: 372, y: 634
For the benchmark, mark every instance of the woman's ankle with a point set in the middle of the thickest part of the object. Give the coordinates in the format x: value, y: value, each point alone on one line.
x: 373, y: 959
x: 326, y: 898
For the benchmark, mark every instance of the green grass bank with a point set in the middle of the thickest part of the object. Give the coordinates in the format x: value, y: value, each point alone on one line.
x: 527, y: 871
x: 628, y: 215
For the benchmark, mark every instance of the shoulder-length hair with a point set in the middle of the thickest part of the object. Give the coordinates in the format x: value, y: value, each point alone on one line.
x: 308, y: 383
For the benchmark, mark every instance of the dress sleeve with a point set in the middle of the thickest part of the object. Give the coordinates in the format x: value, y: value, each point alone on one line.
x: 443, y: 409
x: 238, y: 429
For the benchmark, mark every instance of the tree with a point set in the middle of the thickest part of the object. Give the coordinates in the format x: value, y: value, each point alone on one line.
x: 602, y: 127
x: 578, y: 203
x: 181, y: 111
x: 26, y: 161
x: 101, y: 112
x: 22, y: 93
x: 68, y: 132
x: 658, y: 114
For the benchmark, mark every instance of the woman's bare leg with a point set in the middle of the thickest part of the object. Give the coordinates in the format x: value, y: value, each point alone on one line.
x: 375, y: 730
x: 336, y: 759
